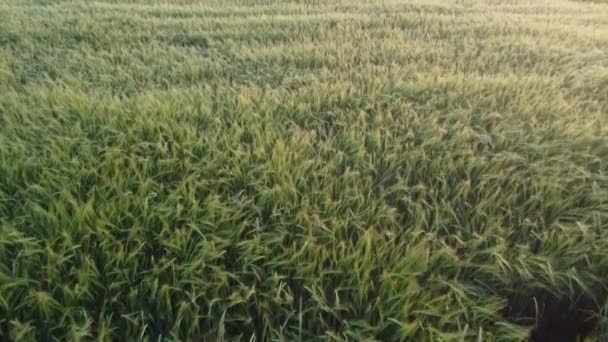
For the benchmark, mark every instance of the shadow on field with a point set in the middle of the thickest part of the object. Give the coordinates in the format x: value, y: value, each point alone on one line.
x: 561, y: 319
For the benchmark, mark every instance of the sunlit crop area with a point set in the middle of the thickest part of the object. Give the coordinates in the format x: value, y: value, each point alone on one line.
x: 338, y: 170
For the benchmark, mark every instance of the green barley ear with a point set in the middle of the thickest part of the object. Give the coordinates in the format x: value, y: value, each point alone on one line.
x: 22, y: 331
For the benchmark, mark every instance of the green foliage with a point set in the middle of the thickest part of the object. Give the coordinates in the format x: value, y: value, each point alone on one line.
x: 300, y: 170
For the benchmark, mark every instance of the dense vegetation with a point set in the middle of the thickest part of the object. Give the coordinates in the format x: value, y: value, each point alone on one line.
x: 303, y: 170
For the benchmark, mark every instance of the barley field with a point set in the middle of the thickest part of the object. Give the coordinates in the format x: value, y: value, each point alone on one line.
x: 313, y: 170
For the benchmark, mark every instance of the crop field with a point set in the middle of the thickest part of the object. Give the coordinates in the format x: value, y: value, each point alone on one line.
x: 313, y: 170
